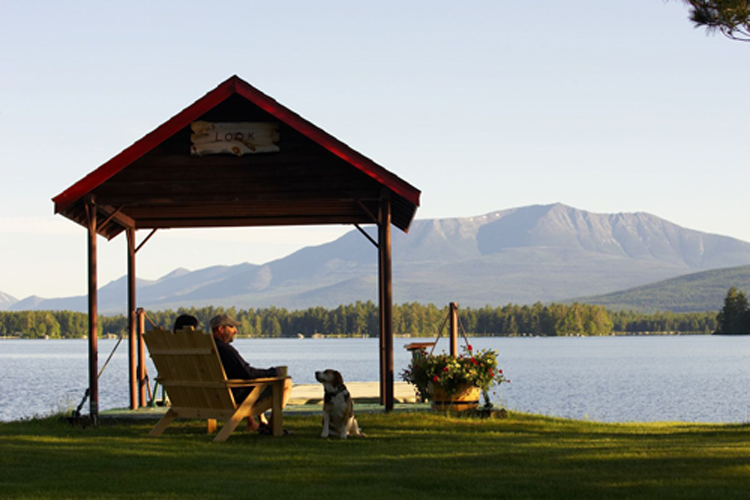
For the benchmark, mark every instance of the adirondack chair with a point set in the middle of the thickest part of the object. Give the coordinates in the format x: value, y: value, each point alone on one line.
x: 190, y: 370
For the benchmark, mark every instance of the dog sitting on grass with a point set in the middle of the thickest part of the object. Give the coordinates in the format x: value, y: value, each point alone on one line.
x: 338, y: 409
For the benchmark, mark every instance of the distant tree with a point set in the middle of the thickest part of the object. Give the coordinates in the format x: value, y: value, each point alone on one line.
x: 572, y: 322
x: 598, y: 321
x: 733, y: 317
x: 730, y: 17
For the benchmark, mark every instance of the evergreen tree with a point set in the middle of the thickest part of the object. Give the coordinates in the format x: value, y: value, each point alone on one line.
x: 730, y: 17
x: 733, y: 316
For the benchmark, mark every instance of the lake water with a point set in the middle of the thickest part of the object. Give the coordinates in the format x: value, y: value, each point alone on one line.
x: 609, y: 379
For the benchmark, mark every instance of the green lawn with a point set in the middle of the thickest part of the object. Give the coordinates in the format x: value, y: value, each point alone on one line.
x: 406, y: 455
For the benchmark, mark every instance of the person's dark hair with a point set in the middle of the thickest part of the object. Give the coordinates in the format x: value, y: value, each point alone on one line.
x: 184, y: 320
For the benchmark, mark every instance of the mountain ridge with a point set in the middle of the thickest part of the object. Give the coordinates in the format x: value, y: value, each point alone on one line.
x: 696, y: 292
x: 6, y: 301
x: 518, y: 255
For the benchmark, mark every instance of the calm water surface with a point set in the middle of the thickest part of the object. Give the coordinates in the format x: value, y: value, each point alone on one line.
x: 611, y: 379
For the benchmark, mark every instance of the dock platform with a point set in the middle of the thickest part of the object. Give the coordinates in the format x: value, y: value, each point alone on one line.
x: 361, y: 392
x: 308, y: 399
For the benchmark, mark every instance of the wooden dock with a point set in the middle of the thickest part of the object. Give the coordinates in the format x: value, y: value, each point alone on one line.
x: 308, y: 399
x: 362, y: 393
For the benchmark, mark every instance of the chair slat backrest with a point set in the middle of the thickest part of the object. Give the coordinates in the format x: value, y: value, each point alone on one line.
x: 189, y: 368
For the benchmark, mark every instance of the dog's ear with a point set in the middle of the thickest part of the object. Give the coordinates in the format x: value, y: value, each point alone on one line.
x: 337, y: 378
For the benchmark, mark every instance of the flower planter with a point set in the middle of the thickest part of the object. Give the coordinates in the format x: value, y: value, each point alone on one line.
x: 465, y: 398
x: 471, y: 372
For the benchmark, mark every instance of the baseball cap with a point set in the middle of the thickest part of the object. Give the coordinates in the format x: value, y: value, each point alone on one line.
x: 223, y: 320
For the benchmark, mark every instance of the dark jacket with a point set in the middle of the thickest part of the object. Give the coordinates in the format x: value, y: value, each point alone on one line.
x: 236, y: 367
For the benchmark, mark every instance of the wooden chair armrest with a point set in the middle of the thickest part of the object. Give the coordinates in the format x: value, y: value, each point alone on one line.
x: 251, y: 382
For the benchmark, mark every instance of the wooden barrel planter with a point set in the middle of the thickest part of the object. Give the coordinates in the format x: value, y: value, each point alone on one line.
x: 465, y: 398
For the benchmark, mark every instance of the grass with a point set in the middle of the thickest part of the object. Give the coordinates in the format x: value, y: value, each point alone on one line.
x: 406, y: 455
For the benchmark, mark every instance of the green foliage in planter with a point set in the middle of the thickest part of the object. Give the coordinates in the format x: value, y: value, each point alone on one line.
x: 479, y: 369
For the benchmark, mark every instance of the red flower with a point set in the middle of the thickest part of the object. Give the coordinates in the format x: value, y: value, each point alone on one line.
x: 474, y: 361
x: 435, y: 378
x: 445, y: 368
x: 499, y: 372
x: 468, y: 346
x: 491, y: 374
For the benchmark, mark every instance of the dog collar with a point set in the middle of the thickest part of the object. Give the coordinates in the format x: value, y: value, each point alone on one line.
x: 328, y: 397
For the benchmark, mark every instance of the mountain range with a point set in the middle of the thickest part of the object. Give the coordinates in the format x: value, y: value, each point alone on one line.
x: 6, y: 301
x: 521, y: 255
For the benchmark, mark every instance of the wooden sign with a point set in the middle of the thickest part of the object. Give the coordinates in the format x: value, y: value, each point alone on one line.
x: 234, y: 138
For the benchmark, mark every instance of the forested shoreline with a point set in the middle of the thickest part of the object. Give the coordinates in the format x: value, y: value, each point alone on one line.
x: 362, y: 318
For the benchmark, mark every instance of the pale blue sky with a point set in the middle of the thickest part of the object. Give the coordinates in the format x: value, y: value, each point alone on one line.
x: 617, y: 106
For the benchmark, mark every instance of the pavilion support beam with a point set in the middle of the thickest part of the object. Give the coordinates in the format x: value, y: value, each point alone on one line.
x: 142, y: 382
x: 386, y: 304
x: 137, y: 356
x: 153, y: 232
x: 93, y: 313
x: 370, y: 238
x: 132, y: 332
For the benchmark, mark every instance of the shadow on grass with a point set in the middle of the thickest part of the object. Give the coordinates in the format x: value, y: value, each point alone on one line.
x: 417, y: 455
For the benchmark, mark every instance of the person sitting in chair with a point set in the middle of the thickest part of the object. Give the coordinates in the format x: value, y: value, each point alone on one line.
x: 224, y: 329
x: 183, y: 321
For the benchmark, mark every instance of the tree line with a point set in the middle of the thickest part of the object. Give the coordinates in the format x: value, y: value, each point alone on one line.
x: 362, y: 319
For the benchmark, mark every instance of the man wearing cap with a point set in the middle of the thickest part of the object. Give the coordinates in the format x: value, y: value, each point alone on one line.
x: 224, y: 329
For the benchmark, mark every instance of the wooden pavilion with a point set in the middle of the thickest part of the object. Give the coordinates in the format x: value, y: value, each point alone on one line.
x: 236, y: 158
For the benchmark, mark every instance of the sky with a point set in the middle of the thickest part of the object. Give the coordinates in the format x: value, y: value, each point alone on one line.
x: 618, y: 106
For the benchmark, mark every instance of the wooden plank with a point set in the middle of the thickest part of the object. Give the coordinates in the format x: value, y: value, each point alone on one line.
x: 247, y: 383
x: 176, y: 219
x: 202, y: 397
x: 306, y: 188
x: 277, y: 423
x: 180, y: 352
x: 287, y: 163
x: 201, y: 384
x: 206, y: 209
x: 202, y: 413
x: 186, y: 179
x: 248, y: 221
x: 163, y: 423
x: 116, y: 215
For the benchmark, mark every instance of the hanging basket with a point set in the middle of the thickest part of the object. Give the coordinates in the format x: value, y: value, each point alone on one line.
x: 465, y: 398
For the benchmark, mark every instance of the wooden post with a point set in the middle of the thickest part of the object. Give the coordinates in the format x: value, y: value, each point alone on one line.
x: 386, y: 304
x: 132, y: 333
x: 381, y: 310
x: 93, y: 313
x: 454, y: 329
x: 141, y: 358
